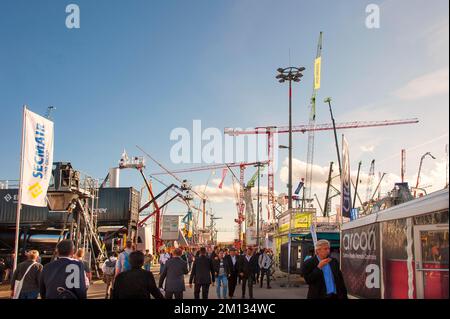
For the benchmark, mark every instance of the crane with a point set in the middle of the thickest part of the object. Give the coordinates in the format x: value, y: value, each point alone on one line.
x: 212, y: 227
x: 48, y: 113
x: 157, y: 211
x: 370, y: 180
x: 139, y: 164
x: 190, y: 228
x: 312, y: 118
x: 203, y: 202
x: 270, y: 131
x: 236, y: 197
x: 420, y: 169
x: 241, y: 165
x: 403, y: 165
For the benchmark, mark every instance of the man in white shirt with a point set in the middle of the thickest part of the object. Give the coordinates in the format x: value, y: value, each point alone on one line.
x: 163, y: 258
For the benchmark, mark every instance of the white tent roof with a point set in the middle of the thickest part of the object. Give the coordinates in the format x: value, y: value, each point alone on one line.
x: 433, y: 202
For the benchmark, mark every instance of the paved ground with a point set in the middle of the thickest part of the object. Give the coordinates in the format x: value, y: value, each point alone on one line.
x: 278, y: 291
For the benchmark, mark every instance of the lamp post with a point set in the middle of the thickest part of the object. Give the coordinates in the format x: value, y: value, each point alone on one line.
x: 290, y: 74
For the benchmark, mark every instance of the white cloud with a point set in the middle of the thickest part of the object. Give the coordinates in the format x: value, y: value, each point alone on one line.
x: 431, y: 84
x: 320, y: 174
x: 214, y: 193
x: 436, y: 37
x: 367, y: 148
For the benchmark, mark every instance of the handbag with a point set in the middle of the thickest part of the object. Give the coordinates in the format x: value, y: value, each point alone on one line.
x: 19, y: 283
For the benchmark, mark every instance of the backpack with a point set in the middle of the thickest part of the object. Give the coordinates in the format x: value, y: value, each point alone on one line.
x: 126, y: 262
x: 64, y: 293
x: 110, y: 267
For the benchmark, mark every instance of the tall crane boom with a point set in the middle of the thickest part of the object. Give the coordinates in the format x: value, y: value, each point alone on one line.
x: 48, y: 113
x: 303, y: 128
x: 312, y: 118
x: 209, y: 168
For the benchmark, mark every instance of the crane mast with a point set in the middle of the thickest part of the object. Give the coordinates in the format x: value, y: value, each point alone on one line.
x: 312, y: 118
x: 370, y: 181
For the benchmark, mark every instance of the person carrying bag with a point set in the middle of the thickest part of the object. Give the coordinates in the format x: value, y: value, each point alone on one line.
x: 18, y: 284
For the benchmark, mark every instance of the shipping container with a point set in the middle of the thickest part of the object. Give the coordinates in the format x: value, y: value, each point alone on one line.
x: 118, y: 207
x: 29, y: 215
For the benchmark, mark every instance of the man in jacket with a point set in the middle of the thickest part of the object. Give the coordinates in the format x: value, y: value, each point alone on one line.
x: 215, y: 253
x: 265, y: 264
x: 173, y: 274
x: 222, y: 271
x: 209, y: 252
x: 30, y: 285
x: 233, y: 262
x: 202, y: 274
x: 65, y: 277
x: 247, y: 268
x: 109, y: 270
x: 136, y: 283
x: 257, y: 253
x: 323, y: 275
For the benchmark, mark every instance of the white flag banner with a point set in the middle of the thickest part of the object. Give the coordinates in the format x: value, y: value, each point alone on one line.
x: 37, y: 159
x: 346, y: 196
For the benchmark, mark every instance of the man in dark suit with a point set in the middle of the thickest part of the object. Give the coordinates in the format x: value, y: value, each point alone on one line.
x: 202, y: 274
x: 233, y: 264
x: 136, y: 283
x: 209, y: 252
x: 323, y: 275
x: 247, y: 268
x: 65, y: 277
x: 173, y: 273
x: 214, y: 253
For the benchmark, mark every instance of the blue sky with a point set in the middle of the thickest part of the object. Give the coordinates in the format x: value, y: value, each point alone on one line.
x: 135, y: 70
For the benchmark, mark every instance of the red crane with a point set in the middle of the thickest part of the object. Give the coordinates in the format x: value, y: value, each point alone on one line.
x: 271, y: 130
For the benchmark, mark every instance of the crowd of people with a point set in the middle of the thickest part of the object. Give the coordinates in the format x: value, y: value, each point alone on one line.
x: 6, y: 267
x: 128, y: 274
x: 223, y: 268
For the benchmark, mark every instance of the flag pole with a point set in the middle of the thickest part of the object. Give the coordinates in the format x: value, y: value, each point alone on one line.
x: 19, y: 197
